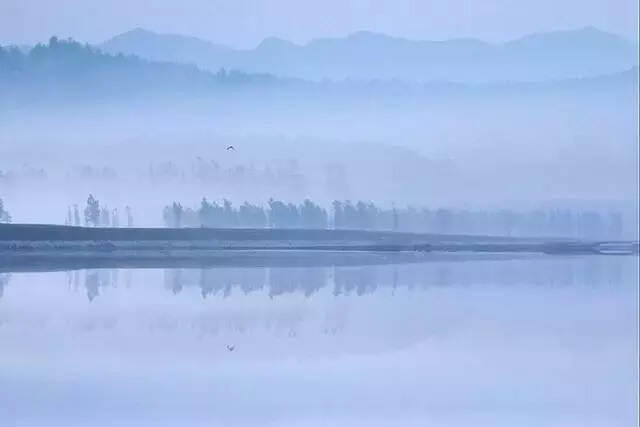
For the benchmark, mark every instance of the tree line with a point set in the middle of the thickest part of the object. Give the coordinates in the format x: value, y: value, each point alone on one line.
x: 345, y: 215
x: 97, y: 216
x: 224, y: 215
x: 363, y: 215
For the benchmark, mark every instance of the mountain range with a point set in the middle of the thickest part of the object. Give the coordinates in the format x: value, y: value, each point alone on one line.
x: 368, y: 56
x: 66, y: 71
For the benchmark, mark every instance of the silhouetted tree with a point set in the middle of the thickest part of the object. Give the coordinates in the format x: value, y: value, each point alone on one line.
x: 210, y: 214
x: 338, y: 215
x: 69, y: 219
x: 312, y: 215
x: 115, y: 218
x: 279, y: 214
x: 173, y: 215
x: 76, y: 216
x: 92, y: 211
x: 395, y: 218
x: 251, y: 216
x: 129, y: 216
x: 177, y: 210
x: 350, y: 215
x: 229, y: 214
x: 105, y: 218
x: 4, y: 214
x: 366, y: 216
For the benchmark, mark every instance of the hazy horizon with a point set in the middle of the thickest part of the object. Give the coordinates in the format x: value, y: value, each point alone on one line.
x: 306, y: 42
x: 244, y: 24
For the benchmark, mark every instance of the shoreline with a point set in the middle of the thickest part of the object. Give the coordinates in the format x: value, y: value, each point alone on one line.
x: 26, y: 246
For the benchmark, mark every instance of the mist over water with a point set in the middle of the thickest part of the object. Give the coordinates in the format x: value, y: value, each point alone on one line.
x: 534, y: 340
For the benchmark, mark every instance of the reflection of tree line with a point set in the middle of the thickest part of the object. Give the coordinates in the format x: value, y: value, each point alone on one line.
x: 221, y: 281
x: 363, y: 280
x: 96, y: 279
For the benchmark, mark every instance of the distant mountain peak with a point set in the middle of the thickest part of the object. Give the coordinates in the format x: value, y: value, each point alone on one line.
x: 134, y: 32
x: 140, y: 30
x: 588, y: 34
x: 275, y: 43
x: 161, y: 46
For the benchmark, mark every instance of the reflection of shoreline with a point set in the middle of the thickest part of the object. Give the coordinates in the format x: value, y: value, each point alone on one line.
x: 26, y: 247
x: 34, y: 261
x: 363, y: 279
x: 295, y: 301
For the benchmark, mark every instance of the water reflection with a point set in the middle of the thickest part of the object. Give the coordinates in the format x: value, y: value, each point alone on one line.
x: 361, y: 280
x: 4, y: 280
x: 532, y: 341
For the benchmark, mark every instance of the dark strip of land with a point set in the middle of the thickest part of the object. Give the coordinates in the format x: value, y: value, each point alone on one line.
x: 47, y: 232
x: 25, y: 243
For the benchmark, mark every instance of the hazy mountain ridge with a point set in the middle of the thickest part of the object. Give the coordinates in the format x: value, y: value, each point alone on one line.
x: 368, y: 56
x: 69, y: 71
x: 162, y: 47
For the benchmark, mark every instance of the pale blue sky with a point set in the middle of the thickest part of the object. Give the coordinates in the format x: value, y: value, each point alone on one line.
x: 244, y: 23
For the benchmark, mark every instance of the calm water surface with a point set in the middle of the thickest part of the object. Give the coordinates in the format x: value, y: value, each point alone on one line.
x: 547, y: 341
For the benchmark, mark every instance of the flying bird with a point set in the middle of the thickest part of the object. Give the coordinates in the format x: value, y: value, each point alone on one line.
x: 231, y: 347
x: 231, y: 148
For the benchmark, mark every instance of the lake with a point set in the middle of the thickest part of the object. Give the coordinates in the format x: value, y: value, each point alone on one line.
x: 528, y: 341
